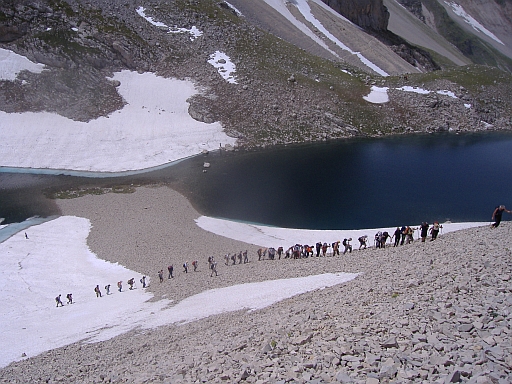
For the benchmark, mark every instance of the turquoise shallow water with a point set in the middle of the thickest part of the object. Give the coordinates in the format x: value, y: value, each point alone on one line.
x: 347, y: 184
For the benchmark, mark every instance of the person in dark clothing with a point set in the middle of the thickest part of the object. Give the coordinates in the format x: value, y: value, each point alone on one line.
x: 424, y: 231
x: 170, y: 268
x: 318, y: 248
x: 69, y: 296
x: 496, y: 215
x: 397, y: 235
x: 362, y: 241
x: 59, y: 301
x: 384, y: 238
x: 403, y: 231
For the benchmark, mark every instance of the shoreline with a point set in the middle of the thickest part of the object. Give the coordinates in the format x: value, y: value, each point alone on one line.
x: 427, y: 301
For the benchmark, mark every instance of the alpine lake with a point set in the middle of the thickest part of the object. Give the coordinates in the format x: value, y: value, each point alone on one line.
x: 342, y: 184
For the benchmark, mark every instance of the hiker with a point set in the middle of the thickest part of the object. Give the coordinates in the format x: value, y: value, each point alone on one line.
x: 194, y: 264
x: 97, y: 290
x: 170, y: 268
x: 26, y: 236
x: 226, y: 258
x: 378, y: 239
x: 363, y: 241
x: 280, y: 251
x: 409, y: 235
x: 496, y: 215
x: 107, y: 288
x: 185, y: 267
x: 213, y: 268
x: 348, y: 247
x: 233, y: 258
x: 119, y: 286
x: 131, y: 282
x: 246, y: 257
x: 240, y: 257
x: 161, y: 275
x: 434, y: 231
x: 324, y: 249
x: 384, y: 239
x: 69, y: 296
x: 403, y: 230
x: 59, y: 301
x: 271, y: 253
x: 318, y: 248
x: 336, y: 248
x: 424, y: 231
x: 143, y: 281
x: 259, y: 252
x: 296, y: 251
x: 397, y: 235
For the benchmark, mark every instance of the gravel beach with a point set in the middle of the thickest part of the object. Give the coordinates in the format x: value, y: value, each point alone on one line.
x: 434, y: 312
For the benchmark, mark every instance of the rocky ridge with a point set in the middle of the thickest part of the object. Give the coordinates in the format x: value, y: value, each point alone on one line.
x: 435, y: 312
x: 284, y: 95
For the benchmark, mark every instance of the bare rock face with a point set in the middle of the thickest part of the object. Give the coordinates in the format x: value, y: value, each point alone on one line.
x: 368, y: 14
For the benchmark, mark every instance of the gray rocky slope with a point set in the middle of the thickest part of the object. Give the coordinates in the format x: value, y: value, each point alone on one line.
x: 434, y: 312
x: 289, y: 90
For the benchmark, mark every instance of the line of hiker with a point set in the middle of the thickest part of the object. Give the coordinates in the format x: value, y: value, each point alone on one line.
x: 98, y: 292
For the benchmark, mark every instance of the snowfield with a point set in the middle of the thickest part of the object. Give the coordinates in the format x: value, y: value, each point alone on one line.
x: 153, y: 128
x: 55, y: 259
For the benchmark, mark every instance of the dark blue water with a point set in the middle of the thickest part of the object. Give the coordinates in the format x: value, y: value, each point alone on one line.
x: 348, y: 184
x: 363, y: 183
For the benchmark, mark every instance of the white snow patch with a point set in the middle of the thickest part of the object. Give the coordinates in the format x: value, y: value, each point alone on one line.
x: 142, y: 12
x: 408, y: 88
x: 11, y: 64
x: 459, y: 11
x: 152, y: 129
x: 447, y: 93
x: 193, y: 31
x: 268, y: 236
x: 238, y: 13
x: 377, y: 95
x: 467, y: 105
x: 55, y: 260
x: 224, y: 66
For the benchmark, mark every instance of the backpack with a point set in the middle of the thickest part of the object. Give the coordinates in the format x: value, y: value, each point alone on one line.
x: 344, y: 242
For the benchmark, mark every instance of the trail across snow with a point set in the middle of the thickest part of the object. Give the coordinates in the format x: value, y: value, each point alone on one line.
x: 55, y: 259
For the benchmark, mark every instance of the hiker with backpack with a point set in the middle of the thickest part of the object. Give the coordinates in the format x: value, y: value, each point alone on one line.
x: 59, y: 301
x: 378, y: 239
x: 97, y: 291
x: 363, y: 241
x: 213, y: 267
x: 348, y: 247
x: 434, y: 231
x: 336, y: 248
x: 384, y: 239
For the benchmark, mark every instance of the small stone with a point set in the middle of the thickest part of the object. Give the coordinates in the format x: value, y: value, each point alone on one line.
x: 390, y: 343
